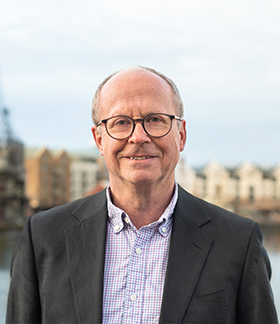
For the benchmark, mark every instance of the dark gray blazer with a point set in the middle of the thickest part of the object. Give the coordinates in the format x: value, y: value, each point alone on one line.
x: 218, y: 270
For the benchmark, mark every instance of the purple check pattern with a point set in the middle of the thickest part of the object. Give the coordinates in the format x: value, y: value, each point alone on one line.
x: 135, y: 266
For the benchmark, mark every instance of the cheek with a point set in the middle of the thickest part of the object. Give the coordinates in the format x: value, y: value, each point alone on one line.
x: 111, y: 149
x: 175, y: 147
x: 176, y: 142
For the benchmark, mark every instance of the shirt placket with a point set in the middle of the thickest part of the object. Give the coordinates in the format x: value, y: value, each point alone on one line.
x: 136, y: 277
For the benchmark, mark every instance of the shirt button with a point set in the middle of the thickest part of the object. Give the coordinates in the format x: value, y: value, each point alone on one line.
x: 133, y: 297
x: 164, y: 229
x: 138, y: 251
x: 126, y: 219
x: 117, y: 228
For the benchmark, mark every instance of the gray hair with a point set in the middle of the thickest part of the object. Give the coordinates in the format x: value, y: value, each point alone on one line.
x: 179, y: 108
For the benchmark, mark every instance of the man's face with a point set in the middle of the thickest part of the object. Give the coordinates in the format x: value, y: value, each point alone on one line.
x: 137, y: 93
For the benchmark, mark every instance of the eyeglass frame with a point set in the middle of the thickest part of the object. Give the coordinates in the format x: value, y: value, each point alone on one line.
x: 141, y: 120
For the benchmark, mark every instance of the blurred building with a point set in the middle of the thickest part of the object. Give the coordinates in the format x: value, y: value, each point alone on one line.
x: 247, y: 189
x: 87, y: 173
x: 55, y: 178
x: 12, y: 197
x: 47, y: 178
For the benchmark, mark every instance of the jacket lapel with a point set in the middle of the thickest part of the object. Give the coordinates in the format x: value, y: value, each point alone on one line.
x: 85, y: 246
x: 188, y: 252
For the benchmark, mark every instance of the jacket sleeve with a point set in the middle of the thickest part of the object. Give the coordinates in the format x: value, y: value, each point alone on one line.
x: 24, y: 298
x: 255, y: 299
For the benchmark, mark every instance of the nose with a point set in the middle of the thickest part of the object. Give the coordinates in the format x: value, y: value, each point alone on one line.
x: 139, y: 135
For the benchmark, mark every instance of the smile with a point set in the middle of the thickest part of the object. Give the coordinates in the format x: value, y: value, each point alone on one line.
x: 140, y: 157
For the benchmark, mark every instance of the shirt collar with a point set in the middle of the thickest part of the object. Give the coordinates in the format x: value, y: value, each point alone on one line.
x: 118, y: 218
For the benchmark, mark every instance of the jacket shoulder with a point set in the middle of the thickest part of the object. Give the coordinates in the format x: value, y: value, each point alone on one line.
x: 71, y: 213
x: 203, y: 212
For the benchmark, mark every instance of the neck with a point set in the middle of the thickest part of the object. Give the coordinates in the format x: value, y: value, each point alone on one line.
x: 144, y: 204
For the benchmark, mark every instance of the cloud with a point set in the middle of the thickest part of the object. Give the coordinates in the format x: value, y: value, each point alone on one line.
x: 223, y: 55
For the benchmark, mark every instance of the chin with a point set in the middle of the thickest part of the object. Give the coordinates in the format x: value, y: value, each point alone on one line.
x: 142, y: 179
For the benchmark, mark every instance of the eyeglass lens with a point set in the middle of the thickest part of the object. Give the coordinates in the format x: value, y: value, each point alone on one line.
x: 155, y: 125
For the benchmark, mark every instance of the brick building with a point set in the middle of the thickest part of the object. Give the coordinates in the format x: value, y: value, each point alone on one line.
x: 47, y: 178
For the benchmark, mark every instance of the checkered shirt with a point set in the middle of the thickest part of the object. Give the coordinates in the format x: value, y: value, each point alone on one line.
x: 135, y: 266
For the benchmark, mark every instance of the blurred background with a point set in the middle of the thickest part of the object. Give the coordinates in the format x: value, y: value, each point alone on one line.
x: 222, y: 55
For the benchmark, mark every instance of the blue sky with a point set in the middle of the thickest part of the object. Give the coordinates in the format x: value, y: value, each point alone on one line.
x: 224, y: 57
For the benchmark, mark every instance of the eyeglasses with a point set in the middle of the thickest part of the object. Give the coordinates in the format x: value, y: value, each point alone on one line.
x: 155, y: 125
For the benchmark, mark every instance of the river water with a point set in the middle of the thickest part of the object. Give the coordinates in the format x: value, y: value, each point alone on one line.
x: 8, y: 240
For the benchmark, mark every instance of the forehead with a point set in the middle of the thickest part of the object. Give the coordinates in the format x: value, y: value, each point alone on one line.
x: 135, y: 87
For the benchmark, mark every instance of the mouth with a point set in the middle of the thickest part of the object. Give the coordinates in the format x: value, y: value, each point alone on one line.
x: 137, y: 158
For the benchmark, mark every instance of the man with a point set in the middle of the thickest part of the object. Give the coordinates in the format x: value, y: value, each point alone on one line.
x: 143, y: 250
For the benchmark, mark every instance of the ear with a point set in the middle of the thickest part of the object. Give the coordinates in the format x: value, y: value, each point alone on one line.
x: 183, y: 135
x: 98, y: 139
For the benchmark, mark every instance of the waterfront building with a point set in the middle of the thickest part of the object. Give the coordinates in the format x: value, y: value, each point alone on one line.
x: 84, y: 175
x: 56, y: 178
x: 246, y: 189
x: 47, y: 178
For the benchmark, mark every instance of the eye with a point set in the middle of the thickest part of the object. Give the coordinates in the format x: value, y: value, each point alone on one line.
x: 120, y: 122
x: 154, y: 119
